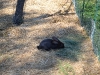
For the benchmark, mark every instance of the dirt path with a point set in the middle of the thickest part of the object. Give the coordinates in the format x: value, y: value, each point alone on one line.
x: 18, y: 52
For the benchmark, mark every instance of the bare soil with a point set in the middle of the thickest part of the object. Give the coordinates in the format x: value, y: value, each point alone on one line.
x: 18, y: 44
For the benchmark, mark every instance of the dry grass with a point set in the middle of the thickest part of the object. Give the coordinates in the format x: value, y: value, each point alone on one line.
x: 18, y: 52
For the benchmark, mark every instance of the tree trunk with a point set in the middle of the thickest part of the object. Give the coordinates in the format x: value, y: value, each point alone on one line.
x: 18, y: 17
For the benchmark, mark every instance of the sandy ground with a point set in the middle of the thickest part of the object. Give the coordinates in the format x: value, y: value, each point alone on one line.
x: 18, y: 52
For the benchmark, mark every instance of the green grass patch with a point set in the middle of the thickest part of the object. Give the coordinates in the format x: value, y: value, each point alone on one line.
x: 71, y: 50
x: 66, y: 69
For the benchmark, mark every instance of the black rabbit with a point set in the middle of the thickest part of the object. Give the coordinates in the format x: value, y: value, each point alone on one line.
x: 48, y: 44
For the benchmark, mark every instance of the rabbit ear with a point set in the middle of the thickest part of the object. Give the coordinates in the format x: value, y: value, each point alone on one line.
x: 55, y: 39
x: 54, y: 42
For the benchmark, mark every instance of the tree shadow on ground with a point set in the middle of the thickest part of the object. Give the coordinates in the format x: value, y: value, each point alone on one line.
x: 42, y: 19
x: 13, y: 39
x: 5, y: 22
x: 37, y: 20
x: 5, y: 19
x: 3, y: 4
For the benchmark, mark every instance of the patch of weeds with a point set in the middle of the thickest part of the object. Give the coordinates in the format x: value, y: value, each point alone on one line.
x: 71, y: 50
x: 69, y: 54
x: 66, y: 69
